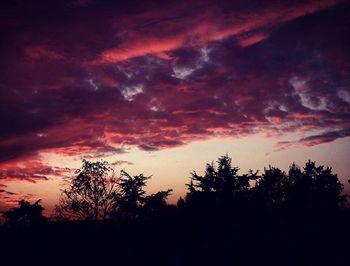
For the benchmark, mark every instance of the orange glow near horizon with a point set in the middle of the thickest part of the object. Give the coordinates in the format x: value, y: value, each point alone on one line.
x: 170, y: 168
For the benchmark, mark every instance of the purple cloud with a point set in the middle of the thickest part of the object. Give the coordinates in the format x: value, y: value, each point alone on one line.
x: 158, y: 76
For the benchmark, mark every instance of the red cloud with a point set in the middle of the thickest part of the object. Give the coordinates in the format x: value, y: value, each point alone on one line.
x: 24, y: 172
x: 197, y: 30
x: 29, y: 169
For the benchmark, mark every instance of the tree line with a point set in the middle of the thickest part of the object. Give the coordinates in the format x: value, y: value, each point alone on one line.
x: 95, y: 193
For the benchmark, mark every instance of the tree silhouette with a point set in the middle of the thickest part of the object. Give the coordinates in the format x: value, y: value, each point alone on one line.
x: 271, y: 188
x: 91, y: 194
x: 181, y: 203
x: 218, y: 187
x: 314, y: 188
x: 95, y: 194
x: 131, y: 196
x: 25, y: 214
x: 156, y: 202
x: 224, y: 179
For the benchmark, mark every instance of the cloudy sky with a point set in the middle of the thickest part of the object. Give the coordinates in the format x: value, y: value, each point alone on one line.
x: 162, y: 87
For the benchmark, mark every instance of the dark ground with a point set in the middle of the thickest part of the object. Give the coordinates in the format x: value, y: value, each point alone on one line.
x: 182, y: 240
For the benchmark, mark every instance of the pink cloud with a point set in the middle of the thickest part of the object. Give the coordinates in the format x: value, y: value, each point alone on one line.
x: 252, y: 39
x: 200, y: 29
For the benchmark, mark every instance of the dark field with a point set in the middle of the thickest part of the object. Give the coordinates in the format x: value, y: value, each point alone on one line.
x: 174, y: 239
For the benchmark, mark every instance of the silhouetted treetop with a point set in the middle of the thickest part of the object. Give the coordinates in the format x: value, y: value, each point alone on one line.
x: 90, y: 194
x: 132, y: 194
x: 132, y: 187
x: 313, y: 188
x: 156, y: 201
x: 223, y: 179
x: 95, y: 193
x: 25, y: 214
x: 271, y: 188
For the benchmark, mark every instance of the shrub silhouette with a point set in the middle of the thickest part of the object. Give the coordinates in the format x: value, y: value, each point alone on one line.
x: 26, y: 214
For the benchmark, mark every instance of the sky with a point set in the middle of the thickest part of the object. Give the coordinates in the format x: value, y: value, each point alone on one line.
x: 163, y: 87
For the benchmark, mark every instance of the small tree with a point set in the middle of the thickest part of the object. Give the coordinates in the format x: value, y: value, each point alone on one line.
x: 25, y: 214
x: 91, y: 194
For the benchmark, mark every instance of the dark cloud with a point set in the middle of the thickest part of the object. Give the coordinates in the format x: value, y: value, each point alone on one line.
x: 3, y: 191
x: 315, y: 139
x: 95, y: 77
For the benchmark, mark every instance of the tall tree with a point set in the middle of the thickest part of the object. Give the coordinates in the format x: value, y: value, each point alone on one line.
x: 132, y: 193
x: 224, y: 179
x: 219, y: 187
x: 91, y: 194
x: 271, y: 188
x: 315, y: 187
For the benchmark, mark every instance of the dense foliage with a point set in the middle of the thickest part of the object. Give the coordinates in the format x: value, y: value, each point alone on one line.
x: 312, y: 188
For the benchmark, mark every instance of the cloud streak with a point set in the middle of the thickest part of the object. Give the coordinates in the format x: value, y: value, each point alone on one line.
x: 149, y: 33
